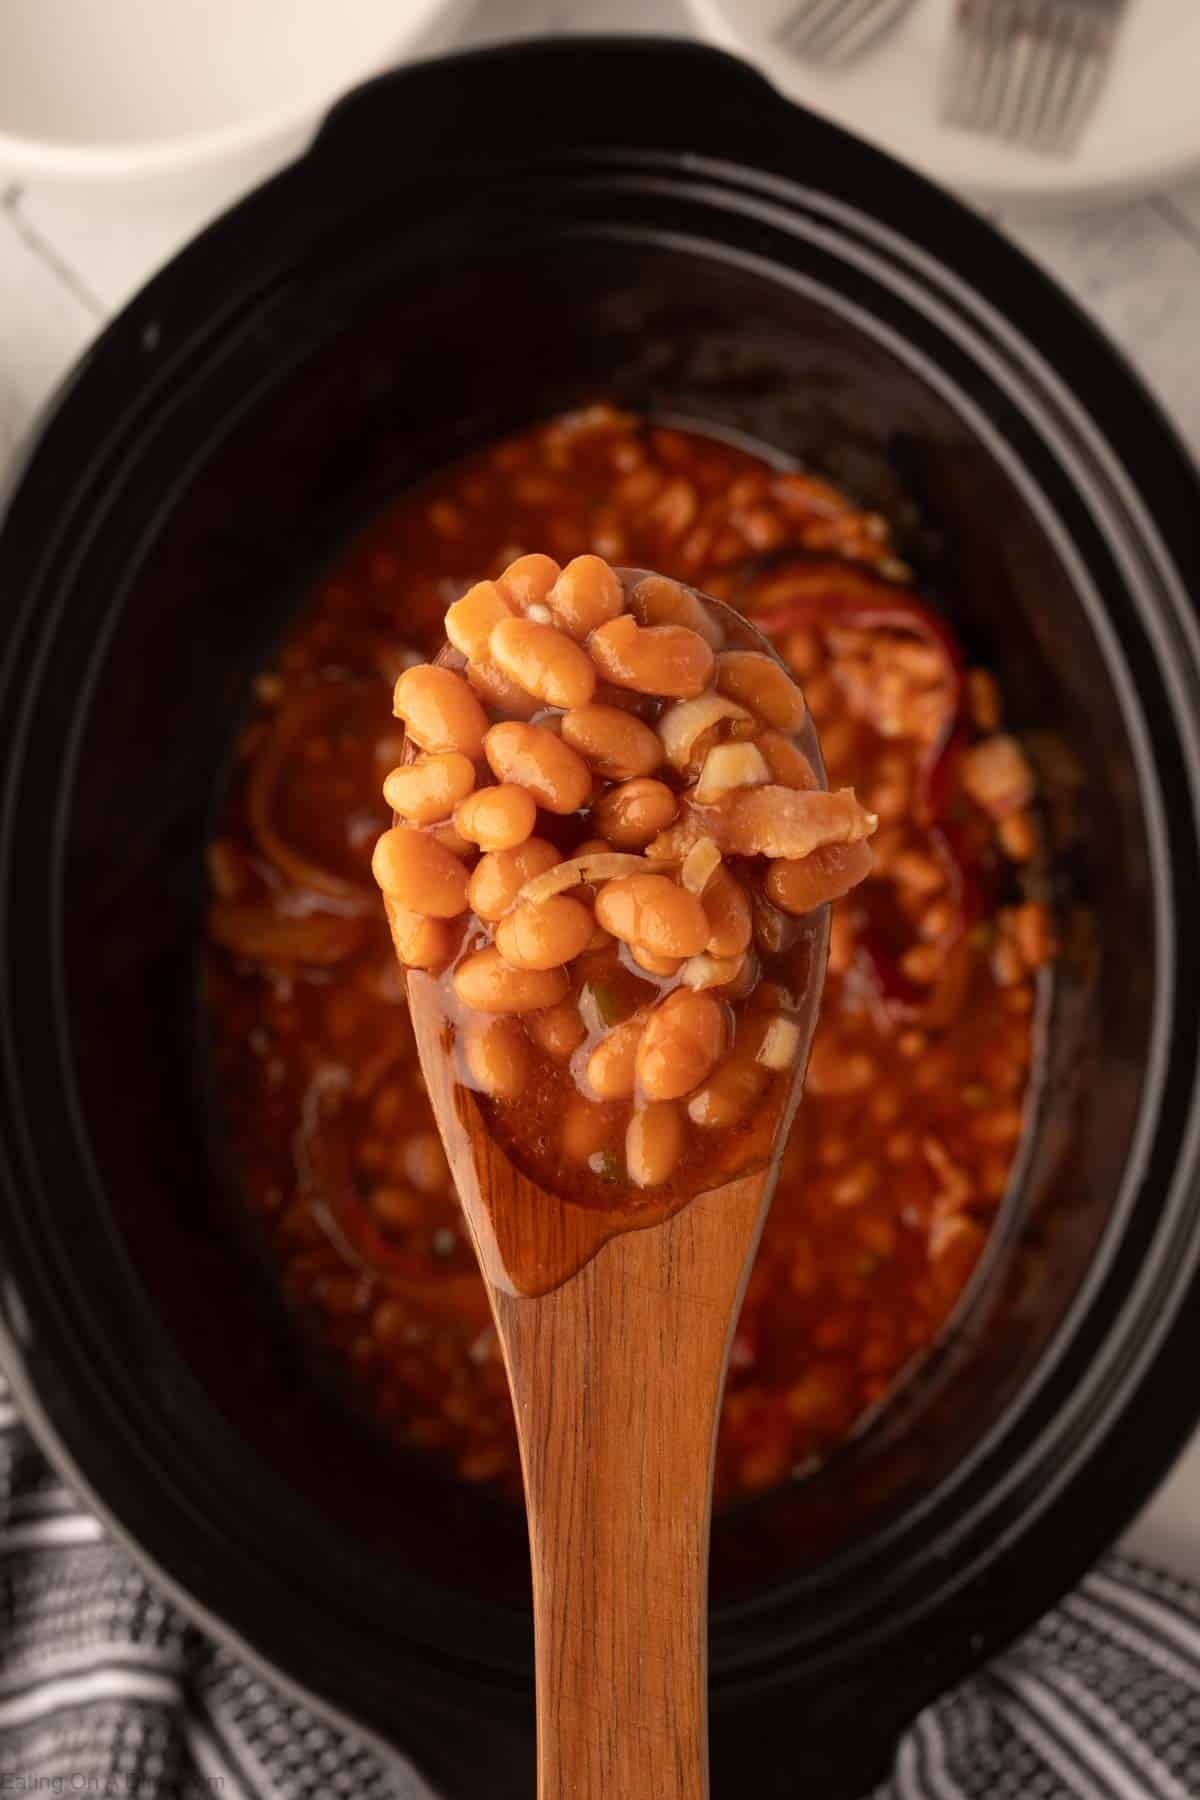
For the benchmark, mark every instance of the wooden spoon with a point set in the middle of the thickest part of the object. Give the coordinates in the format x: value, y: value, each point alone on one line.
x: 615, y: 1340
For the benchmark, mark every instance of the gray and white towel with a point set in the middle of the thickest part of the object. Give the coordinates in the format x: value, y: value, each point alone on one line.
x: 106, y: 1688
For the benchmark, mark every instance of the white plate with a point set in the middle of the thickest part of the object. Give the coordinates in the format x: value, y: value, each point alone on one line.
x: 153, y: 88
x: 1144, y: 133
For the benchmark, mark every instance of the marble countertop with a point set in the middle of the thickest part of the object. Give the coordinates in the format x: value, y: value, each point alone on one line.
x: 69, y: 259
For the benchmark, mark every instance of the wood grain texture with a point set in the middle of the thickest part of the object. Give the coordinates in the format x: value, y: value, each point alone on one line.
x: 615, y: 1341
x: 616, y: 1380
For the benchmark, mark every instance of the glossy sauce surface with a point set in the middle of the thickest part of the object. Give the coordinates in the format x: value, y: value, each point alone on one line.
x: 914, y: 1102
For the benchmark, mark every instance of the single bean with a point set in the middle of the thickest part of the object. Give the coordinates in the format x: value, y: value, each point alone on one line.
x: 756, y: 681
x: 681, y: 1045
x: 500, y: 875
x: 998, y: 1127
x: 536, y: 758
x: 666, y: 660
x: 654, y: 1143
x: 425, y: 1162
x: 727, y: 909
x: 500, y: 691
x: 940, y: 921
x: 612, y: 1066
x: 543, y: 661
x: 450, y: 839
x: 485, y: 981
x: 657, y: 600
x: 544, y: 934
x: 843, y: 941
x: 731, y: 1092
x: 497, y: 818
x: 588, y: 1127
x: 1034, y: 932
x: 484, y: 1463
x: 398, y: 1207
x: 823, y: 1398
x: 528, y: 580
x: 663, y: 966
x: 923, y: 964
x: 762, y: 529
x: 420, y: 943
x: 997, y: 775
x: 788, y: 764
x: 825, y: 874
x: 921, y: 661
x: 586, y: 595
x: 617, y: 745
x: 836, y: 1069
x: 920, y: 872
x: 1018, y: 836
x: 430, y: 788
x: 440, y: 710
x: 419, y: 874
x: 886, y: 1106
x: 983, y: 694
x: 630, y: 815
x: 651, y: 911
x: 855, y: 1186
x: 775, y: 933
x: 803, y: 653
x: 675, y: 509
x: 557, y: 1031
x: 497, y: 1054
x: 470, y: 620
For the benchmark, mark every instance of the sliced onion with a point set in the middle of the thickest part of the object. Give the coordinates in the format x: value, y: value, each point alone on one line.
x: 700, y: 865
x: 595, y: 865
x: 296, y: 719
x: 729, y: 766
x: 685, y: 721
x: 781, y: 1044
x: 707, y: 971
x: 256, y: 930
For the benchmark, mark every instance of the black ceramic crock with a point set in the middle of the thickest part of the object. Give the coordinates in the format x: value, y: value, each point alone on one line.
x: 471, y: 244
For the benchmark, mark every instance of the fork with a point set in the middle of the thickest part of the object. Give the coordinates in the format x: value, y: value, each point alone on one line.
x: 836, y: 31
x: 1029, y: 70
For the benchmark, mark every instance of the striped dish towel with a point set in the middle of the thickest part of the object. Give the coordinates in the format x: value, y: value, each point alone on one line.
x: 105, y: 1687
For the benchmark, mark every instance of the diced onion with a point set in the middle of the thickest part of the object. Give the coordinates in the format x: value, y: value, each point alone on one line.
x: 682, y: 723
x: 700, y: 865
x: 729, y: 766
x: 595, y: 865
x: 705, y: 971
x: 780, y: 1045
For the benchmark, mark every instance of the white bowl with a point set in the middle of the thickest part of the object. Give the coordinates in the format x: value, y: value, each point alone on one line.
x: 109, y: 89
x: 1145, y: 132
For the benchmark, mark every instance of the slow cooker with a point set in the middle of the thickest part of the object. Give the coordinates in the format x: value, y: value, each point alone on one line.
x: 471, y: 244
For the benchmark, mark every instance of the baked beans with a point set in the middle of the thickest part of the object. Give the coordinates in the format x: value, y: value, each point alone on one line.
x: 888, y: 1187
x: 618, y: 923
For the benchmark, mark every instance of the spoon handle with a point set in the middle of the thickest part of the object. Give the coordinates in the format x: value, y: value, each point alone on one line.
x: 616, y: 1380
